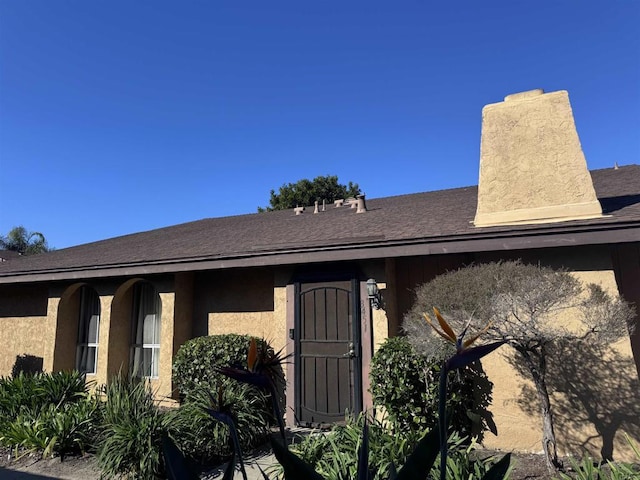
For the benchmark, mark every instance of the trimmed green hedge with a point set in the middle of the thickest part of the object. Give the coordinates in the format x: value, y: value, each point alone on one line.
x: 406, y: 385
x: 198, y: 359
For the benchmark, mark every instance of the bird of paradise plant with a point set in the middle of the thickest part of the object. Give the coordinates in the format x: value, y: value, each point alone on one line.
x: 465, y: 355
x: 263, y: 371
x: 176, y: 464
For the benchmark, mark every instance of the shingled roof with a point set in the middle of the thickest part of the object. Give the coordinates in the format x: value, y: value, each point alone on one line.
x: 414, y: 224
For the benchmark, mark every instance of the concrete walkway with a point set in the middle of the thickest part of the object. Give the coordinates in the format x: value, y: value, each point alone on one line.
x: 252, y: 464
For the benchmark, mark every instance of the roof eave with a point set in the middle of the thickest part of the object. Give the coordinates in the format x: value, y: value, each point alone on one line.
x: 481, y: 240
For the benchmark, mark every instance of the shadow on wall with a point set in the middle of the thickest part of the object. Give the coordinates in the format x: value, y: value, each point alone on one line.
x: 593, y: 386
x: 27, y: 364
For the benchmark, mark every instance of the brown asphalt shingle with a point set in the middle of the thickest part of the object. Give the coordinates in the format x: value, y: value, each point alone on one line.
x: 404, y: 218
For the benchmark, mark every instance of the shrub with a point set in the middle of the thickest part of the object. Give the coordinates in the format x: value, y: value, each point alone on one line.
x: 198, y: 360
x: 16, y: 394
x: 61, y: 388
x: 406, y: 385
x: 587, y: 469
x: 206, y: 440
x: 133, y: 429
x: 334, y: 454
x: 51, y: 412
x: 56, y: 430
x: 36, y: 391
x: 463, y: 462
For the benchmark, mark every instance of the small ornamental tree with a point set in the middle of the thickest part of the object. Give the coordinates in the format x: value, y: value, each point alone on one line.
x: 530, y: 307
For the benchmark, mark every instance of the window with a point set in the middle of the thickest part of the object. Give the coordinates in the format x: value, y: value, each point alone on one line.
x: 88, y: 331
x: 145, y: 348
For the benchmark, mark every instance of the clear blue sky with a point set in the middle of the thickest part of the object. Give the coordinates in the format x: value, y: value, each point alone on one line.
x: 123, y: 116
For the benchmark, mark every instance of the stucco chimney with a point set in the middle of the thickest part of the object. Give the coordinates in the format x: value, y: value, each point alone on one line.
x: 532, y: 169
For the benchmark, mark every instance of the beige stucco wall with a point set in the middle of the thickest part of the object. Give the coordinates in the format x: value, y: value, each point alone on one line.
x: 23, y: 325
x: 244, y: 302
x: 21, y: 336
x: 101, y: 376
x: 259, y: 324
x: 162, y: 385
x: 279, y: 329
x: 66, y: 329
x: 51, y: 326
x: 117, y: 334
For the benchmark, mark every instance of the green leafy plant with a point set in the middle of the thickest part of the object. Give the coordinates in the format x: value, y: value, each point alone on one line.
x: 56, y: 430
x: 62, y: 387
x: 50, y: 412
x: 206, y: 440
x: 463, y: 463
x: 133, y: 431
x: 17, y: 394
x: 332, y: 454
x: 588, y: 469
x: 35, y: 391
x: 198, y: 360
x: 406, y: 384
x: 417, y: 465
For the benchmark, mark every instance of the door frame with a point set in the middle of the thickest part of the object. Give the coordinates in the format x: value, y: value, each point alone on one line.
x: 355, y: 339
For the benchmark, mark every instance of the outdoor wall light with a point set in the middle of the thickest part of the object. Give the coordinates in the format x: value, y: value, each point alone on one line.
x: 374, y: 294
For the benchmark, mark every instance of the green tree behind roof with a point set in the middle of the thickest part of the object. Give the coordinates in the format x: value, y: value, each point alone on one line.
x: 20, y: 240
x: 305, y: 192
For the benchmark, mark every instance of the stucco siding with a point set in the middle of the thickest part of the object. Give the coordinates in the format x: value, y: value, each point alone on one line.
x: 241, y: 301
x: 20, y: 336
x: 162, y: 385
x: 23, y: 325
x: 102, y: 374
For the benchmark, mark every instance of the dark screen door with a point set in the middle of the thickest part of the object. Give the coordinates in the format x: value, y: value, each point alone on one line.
x: 327, y: 352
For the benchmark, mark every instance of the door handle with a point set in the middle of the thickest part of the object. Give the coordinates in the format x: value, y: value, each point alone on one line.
x: 352, y: 351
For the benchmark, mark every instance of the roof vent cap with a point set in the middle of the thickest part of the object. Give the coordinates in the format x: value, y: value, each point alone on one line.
x: 362, y: 206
